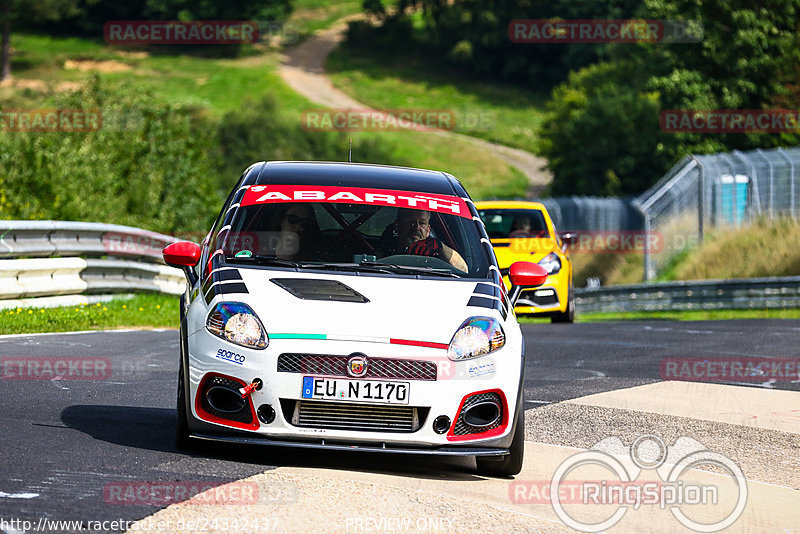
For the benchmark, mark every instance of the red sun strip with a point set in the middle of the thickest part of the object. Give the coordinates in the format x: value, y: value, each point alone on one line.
x: 269, y: 194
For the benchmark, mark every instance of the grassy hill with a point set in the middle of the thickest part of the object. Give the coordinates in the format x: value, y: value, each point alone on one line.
x: 186, y: 119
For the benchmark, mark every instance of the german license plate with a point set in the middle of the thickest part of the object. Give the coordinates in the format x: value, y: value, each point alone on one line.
x: 355, y: 390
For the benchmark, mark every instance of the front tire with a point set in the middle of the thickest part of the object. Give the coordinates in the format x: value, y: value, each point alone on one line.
x: 182, y: 440
x: 511, y: 464
x: 569, y: 314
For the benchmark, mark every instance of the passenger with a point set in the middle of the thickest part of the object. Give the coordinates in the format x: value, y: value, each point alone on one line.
x: 413, y: 229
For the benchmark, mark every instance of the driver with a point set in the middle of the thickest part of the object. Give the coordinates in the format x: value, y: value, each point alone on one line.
x: 521, y: 227
x: 413, y: 229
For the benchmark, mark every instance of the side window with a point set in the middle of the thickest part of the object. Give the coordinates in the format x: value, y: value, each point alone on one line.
x: 206, y: 246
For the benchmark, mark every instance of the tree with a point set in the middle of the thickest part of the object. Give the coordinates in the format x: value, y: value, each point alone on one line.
x: 602, y: 134
x: 12, y: 11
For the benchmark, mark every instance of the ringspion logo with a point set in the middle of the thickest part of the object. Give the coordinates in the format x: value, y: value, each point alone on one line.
x: 624, y: 487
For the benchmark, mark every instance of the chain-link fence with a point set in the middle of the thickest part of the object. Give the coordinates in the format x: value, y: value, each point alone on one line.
x: 592, y: 214
x: 714, y: 191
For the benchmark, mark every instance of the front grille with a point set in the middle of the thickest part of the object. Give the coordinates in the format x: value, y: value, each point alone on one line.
x: 242, y: 416
x: 541, y: 300
x: 351, y: 416
x: 325, y: 364
x: 462, y: 428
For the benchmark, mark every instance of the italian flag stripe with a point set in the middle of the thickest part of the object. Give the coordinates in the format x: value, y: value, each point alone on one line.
x: 393, y: 341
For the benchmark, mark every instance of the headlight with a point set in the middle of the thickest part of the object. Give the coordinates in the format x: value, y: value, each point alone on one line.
x: 551, y: 263
x: 475, y: 337
x: 238, y: 323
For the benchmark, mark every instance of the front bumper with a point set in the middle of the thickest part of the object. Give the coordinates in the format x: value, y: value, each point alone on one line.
x: 431, y: 398
x: 539, y: 300
x: 354, y: 447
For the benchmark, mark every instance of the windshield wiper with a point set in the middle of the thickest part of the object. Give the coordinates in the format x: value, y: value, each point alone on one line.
x: 265, y: 260
x: 367, y: 266
x: 408, y: 269
x: 350, y: 267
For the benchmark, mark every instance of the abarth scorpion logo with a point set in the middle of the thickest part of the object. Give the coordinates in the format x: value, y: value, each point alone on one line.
x: 357, y: 366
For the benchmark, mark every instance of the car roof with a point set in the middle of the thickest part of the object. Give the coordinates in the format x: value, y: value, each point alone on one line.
x: 327, y: 173
x: 510, y: 204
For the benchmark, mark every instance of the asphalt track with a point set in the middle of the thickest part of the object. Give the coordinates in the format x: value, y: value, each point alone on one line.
x: 66, y: 444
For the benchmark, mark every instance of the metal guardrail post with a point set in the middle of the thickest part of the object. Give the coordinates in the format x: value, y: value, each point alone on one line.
x: 790, y: 161
x: 771, y: 182
x: 701, y: 199
x: 647, y: 275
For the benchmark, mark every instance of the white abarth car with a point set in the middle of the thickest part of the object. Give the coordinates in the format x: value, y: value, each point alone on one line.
x: 352, y: 307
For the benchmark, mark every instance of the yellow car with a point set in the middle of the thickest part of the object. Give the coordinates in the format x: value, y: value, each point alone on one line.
x: 524, y: 231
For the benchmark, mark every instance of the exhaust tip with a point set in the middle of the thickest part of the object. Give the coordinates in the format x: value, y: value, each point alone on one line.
x: 482, y: 414
x: 224, y: 399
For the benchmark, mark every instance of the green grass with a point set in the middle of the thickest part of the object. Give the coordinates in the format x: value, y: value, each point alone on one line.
x: 768, y: 247
x: 312, y: 15
x: 154, y: 310
x: 502, y: 114
x: 694, y: 315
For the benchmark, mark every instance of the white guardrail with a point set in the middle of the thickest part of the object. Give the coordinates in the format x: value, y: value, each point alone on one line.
x: 737, y: 294
x: 50, y: 263
x: 41, y: 262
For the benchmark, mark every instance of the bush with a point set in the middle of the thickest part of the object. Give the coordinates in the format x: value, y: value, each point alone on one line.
x: 153, y: 165
x: 149, y: 165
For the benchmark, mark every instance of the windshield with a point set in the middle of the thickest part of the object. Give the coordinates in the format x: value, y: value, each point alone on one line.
x: 351, y: 236
x: 513, y: 223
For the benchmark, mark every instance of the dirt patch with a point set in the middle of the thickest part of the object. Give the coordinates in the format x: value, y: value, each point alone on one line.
x: 133, y: 55
x: 100, y: 66
x: 66, y: 86
x: 303, y: 69
x: 22, y: 83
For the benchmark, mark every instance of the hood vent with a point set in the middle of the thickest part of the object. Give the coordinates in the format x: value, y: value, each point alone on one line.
x: 319, y: 289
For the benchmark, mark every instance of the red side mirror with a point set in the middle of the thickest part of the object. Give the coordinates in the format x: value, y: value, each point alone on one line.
x: 182, y: 254
x: 526, y: 274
